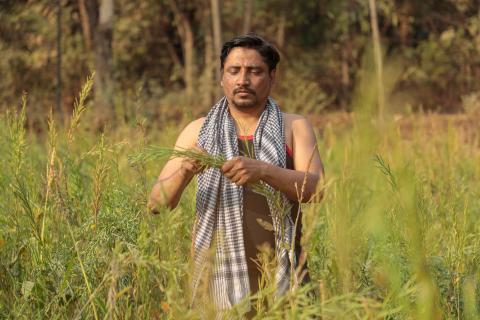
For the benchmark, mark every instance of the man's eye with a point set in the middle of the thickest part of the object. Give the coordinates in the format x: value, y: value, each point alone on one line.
x: 233, y: 71
x: 256, y: 72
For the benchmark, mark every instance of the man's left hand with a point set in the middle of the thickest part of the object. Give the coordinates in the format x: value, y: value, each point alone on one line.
x: 243, y: 170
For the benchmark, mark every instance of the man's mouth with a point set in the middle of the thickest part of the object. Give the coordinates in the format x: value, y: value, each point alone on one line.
x: 243, y: 92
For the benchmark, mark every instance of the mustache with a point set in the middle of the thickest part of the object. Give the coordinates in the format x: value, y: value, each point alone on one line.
x: 247, y: 90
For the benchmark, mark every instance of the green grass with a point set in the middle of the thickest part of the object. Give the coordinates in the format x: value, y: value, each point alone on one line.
x: 396, y: 236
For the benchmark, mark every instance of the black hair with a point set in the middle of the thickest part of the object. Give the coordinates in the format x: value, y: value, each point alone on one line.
x: 252, y: 41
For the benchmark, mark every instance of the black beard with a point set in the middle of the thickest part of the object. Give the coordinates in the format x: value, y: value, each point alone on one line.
x: 245, y: 104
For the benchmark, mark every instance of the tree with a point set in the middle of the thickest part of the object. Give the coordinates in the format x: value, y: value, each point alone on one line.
x: 103, y: 61
x: 378, y: 57
x: 217, y: 33
x: 185, y: 31
x: 247, y: 16
x: 208, y: 59
x: 97, y: 27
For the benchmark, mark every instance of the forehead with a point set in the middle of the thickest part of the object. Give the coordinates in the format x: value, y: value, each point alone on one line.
x: 244, y: 57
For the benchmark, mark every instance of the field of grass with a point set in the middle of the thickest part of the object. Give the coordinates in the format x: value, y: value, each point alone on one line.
x: 396, y: 236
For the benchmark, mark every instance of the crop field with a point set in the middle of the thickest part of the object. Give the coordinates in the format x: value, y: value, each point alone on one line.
x: 395, y: 237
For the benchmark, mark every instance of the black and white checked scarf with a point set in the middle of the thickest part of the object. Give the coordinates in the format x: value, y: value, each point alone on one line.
x: 220, y: 207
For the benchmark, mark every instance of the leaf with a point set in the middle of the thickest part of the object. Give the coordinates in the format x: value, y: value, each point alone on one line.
x: 165, y: 306
x: 265, y: 224
x: 447, y: 36
x: 285, y: 245
x: 27, y: 287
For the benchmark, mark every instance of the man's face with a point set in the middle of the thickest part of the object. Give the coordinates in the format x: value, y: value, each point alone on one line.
x: 246, y: 80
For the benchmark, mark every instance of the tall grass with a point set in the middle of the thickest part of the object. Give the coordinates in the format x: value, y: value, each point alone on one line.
x: 395, y: 237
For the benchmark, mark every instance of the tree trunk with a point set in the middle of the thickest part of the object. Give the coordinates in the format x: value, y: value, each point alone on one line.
x: 103, y: 61
x: 171, y: 51
x: 217, y: 34
x: 209, y: 64
x: 86, y: 25
x: 377, y: 52
x: 345, y: 54
x: 186, y: 34
x: 165, y: 25
x: 404, y: 23
x: 280, y: 38
x: 247, y: 16
x: 59, y: 58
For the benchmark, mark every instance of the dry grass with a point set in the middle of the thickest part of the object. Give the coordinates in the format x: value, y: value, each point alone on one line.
x: 395, y: 237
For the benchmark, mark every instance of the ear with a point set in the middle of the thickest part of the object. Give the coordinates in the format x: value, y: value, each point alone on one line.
x: 272, y: 75
x: 221, y: 83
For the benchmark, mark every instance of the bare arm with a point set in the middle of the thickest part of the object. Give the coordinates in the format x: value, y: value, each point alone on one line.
x: 242, y: 170
x: 306, y: 159
x: 177, y: 172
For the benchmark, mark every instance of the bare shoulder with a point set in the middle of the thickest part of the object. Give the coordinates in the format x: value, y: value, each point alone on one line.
x: 295, y: 122
x: 195, y: 125
x: 189, y: 136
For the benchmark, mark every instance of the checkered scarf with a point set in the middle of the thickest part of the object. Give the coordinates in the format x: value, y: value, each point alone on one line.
x: 220, y: 207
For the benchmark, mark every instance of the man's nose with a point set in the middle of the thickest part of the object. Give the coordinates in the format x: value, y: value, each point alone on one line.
x: 244, y: 78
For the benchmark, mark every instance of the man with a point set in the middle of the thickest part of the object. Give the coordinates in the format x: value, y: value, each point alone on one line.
x: 262, y: 146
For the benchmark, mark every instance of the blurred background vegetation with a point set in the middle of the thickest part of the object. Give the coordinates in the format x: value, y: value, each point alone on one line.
x: 163, y: 56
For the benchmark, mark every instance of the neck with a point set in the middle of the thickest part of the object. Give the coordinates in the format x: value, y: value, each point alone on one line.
x: 246, y: 119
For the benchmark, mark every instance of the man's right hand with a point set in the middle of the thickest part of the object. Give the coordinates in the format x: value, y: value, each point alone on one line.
x: 190, y: 167
x: 177, y: 172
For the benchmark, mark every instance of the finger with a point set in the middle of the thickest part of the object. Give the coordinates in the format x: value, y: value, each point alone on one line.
x: 242, y: 181
x: 193, y: 166
x: 200, y: 168
x: 235, y: 171
x: 188, y: 167
x: 199, y: 149
x: 192, y: 162
x: 236, y: 178
x: 243, y: 177
x: 228, y: 165
x: 230, y: 174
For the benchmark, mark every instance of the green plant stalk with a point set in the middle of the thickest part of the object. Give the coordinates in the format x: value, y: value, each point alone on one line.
x: 155, y: 152
x: 84, y: 274
x: 79, y: 108
x: 300, y: 193
x: 50, y: 171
